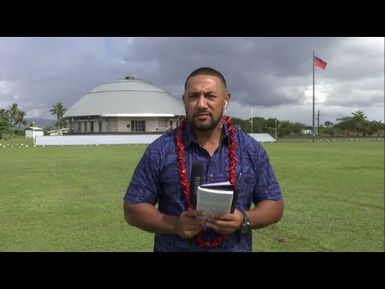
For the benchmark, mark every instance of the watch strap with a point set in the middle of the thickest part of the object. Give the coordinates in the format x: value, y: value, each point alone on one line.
x: 246, y: 226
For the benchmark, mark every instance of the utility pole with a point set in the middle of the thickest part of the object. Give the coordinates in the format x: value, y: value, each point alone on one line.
x: 276, y: 129
x: 318, y: 122
x: 251, y: 116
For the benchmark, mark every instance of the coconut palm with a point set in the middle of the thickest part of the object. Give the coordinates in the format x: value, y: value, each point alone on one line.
x: 4, y: 122
x: 16, y: 115
x: 12, y: 112
x: 20, y: 119
x: 58, y: 109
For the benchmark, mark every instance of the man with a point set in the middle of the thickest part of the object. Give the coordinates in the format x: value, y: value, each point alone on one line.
x: 163, y: 174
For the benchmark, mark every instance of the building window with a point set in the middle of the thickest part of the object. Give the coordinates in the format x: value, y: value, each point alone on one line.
x: 100, y: 126
x: 138, y: 125
x: 92, y: 126
x: 79, y: 126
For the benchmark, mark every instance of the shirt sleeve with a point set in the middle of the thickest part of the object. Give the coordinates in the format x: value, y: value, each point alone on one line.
x: 144, y: 186
x: 267, y: 187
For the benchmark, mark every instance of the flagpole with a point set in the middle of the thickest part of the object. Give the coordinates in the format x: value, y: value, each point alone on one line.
x: 313, y: 97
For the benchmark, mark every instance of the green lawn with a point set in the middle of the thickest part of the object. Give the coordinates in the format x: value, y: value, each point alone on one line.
x: 70, y: 198
x: 334, y: 197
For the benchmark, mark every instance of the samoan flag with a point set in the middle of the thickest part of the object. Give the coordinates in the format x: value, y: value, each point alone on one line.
x: 319, y: 62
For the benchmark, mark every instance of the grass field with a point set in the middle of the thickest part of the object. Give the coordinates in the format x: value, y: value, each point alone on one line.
x: 70, y: 198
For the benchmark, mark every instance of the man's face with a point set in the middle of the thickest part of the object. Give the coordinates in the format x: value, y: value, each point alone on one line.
x: 204, y: 101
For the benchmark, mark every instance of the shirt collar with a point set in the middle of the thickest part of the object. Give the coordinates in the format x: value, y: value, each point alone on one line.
x: 189, y: 136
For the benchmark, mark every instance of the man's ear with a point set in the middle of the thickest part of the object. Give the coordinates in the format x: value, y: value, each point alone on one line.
x: 227, y: 99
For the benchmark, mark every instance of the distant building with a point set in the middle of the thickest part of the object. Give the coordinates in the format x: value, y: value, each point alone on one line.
x: 306, y: 131
x: 129, y: 105
x: 60, y: 131
x: 33, y: 131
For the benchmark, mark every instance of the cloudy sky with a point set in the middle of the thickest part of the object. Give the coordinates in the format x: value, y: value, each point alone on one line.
x: 270, y: 76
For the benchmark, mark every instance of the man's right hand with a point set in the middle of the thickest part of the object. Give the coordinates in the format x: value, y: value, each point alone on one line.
x: 188, y: 225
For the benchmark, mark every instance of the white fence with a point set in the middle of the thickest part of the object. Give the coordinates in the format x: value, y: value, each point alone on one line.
x: 95, y: 139
x: 61, y: 140
x: 262, y: 137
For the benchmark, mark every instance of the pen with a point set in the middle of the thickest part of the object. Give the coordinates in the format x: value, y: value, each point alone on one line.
x: 235, y: 194
x: 239, y: 177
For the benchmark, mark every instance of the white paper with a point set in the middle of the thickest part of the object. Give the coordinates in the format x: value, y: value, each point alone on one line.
x: 214, y: 201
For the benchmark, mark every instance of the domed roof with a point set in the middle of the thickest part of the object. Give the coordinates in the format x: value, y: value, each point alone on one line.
x: 127, y: 97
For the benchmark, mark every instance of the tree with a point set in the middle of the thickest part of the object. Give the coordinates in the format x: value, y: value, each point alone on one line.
x: 271, y: 126
x: 13, y: 109
x: 20, y: 119
x: 327, y: 128
x: 376, y: 128
x: 4, y: 122
x: 58, y: 110
x: 356, y: 124
x: 361, y: 122
x: 244, y: 125
x: 345, y: 125
x: 259, y: 125
x: 16, y: 116
x: 328, y: 124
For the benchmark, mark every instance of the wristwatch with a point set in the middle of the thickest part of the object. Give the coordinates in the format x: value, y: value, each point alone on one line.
x: 245, y: 227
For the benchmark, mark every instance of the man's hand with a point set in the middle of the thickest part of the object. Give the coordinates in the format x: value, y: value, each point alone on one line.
x: 226, y: 223
x: 188, y: 225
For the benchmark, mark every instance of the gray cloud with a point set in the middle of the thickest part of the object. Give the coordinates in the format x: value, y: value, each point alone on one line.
x: 272, y: 74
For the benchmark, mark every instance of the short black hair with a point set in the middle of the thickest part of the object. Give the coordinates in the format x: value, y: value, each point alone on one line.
x: 206, y: 71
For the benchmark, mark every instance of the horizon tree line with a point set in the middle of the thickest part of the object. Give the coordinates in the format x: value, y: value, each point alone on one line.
x: 15, y: 117
x: 356, y: 124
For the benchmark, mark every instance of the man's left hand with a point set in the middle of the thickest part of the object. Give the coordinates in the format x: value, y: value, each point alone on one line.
x: 226, y: 223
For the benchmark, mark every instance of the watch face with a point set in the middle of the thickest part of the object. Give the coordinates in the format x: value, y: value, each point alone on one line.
x: 245, y: 226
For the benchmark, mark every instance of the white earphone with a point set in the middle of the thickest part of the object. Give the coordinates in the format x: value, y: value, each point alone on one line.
x: 225, y: 106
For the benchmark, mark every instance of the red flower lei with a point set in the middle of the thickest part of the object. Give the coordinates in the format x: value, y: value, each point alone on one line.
x: 200, y: 238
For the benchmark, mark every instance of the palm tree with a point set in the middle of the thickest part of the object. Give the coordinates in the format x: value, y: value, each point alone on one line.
x: 20, y: 119
x: 13, y: 111
x: 16, y: 116
x: 58, y: 110
x: 4, y: 122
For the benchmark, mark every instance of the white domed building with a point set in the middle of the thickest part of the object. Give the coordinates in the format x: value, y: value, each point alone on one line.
x: 125, y: 106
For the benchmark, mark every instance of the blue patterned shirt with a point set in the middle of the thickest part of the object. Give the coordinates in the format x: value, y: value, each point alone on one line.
x: 156, y: 180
